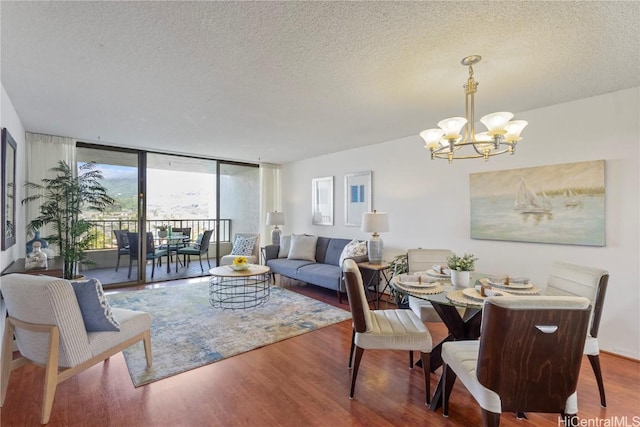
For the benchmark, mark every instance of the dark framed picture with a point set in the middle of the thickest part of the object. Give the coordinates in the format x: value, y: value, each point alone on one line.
x: 8, y: 190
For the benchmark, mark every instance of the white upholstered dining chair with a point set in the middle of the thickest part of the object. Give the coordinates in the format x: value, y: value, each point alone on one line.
x: 50, y: 329
x: 591, y: 283
x: 382, y: 329
x: 527, y: 360
x: 422, y: 260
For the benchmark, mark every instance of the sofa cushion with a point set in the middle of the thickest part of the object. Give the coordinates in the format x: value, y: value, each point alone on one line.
x: 287, y: 267
x: 321, y: 249
x: 325, y: 275
x: 353, y: 249
x: 243, y: 245
x: 303, y: 247
x: 334, y: 250
x: 285, y: 244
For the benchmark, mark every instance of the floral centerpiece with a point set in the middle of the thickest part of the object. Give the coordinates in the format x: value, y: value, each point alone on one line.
x: 460, y: 267
x: 240, y: 263
x: 463, y: 263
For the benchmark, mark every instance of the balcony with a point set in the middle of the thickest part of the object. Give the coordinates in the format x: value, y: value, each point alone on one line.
x: 104, y: 250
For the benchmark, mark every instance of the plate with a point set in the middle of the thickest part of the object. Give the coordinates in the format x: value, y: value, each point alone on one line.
x: 417, y: 281
x: 474, y: 294
x: 512, y: 284
x: 433, y: 273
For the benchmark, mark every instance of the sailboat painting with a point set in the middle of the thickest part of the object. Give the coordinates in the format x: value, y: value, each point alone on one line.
x: 561, y: 204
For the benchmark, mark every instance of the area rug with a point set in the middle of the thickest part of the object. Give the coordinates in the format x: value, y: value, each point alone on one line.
x: 187, y: 332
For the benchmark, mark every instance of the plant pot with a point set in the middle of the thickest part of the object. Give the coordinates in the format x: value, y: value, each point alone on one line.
x: 162, y: 233
x: 460, y: 279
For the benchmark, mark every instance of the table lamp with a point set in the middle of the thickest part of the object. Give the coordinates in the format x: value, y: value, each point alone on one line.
x: 375, y: 222
x: 275, y: 218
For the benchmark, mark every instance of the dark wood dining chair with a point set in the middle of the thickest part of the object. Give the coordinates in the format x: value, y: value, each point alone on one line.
x: 527, y: 359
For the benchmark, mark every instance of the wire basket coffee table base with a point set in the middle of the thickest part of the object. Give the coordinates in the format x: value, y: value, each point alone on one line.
x: 239, y: 289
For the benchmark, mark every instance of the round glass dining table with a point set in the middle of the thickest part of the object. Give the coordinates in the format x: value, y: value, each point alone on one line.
x: 459, y: 308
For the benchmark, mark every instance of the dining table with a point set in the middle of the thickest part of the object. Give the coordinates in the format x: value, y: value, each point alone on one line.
x: 176, y: 240
x: 460, y: 308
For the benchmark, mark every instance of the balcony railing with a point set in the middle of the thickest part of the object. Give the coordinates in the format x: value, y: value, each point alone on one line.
x: 105, y: 239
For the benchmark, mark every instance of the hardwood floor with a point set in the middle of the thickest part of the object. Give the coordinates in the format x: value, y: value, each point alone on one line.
x: 302, y: 381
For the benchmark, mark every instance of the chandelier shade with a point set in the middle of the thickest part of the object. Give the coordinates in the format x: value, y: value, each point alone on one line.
x: 447, y: 142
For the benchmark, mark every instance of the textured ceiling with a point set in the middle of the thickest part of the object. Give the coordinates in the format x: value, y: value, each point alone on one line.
x: 283, y: 81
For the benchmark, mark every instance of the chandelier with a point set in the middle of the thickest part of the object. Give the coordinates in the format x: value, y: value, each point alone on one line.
x: 501, y: 137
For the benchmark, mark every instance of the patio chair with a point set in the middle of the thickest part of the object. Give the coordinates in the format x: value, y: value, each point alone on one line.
x: 123, y: 244
x: 199, y: 248
x: 153, y: 254
x: 48, y: 321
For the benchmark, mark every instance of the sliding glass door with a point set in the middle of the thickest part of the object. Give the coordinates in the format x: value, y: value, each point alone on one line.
x: 177, y: 214
x: 181, y: 208
x: 109, y: 254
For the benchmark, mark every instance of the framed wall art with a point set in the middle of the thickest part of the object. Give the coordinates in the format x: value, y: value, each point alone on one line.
x: 8, y: 190
x: 322, y: 201
x: 563, y: 204
x: 357, y: 197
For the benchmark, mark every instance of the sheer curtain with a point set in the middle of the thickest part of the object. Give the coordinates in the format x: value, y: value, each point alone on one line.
x: 43, y: 153
x: 270, y: 197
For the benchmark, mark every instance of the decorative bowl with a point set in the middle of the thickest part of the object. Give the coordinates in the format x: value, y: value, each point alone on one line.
x: 239, y: 267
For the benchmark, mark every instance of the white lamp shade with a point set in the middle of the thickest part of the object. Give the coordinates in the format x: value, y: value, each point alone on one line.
x: 452, y: 126
x: 275, y: 218
x: 514, y: 128
x: 496, y: 122
x: 375, y: 222
x: 432, y: 137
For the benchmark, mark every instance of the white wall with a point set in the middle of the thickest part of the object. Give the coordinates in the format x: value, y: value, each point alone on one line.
x: 428, y: 201
x: 10, y: 120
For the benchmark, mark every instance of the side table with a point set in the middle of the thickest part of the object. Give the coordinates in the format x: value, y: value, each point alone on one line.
x: 54, y: 267
x: 379, y: 271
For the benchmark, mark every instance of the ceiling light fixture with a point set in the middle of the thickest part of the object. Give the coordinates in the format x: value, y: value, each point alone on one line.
x: 501, y: 137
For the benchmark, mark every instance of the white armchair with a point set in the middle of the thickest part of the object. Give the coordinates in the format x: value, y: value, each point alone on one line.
x: 46, y: 320
x: 241, y: 242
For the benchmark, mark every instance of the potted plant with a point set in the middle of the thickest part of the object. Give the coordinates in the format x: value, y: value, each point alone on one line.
x: 460, y: 268
x: 64, y: 198
x: 399, y: 265
x: 162, y: 230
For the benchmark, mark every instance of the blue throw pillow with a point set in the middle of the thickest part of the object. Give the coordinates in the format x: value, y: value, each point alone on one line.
x: 96, y: 311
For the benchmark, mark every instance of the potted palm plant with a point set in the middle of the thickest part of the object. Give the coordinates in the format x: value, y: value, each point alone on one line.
x: 63, y: 199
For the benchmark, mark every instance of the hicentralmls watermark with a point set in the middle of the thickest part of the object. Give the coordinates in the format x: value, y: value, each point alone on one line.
x: 615, y: 421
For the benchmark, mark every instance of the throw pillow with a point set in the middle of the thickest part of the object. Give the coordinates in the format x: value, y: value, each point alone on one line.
x: 243, y: 245
x: 353, y: 249
x: 94, y: 306
x: 303, y: 247
x: 285, y: 244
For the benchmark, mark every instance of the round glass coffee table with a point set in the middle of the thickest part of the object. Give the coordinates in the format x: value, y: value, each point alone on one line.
x: 231, y: 289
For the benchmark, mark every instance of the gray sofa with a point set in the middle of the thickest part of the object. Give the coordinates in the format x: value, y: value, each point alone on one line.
x: 324, y: 272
